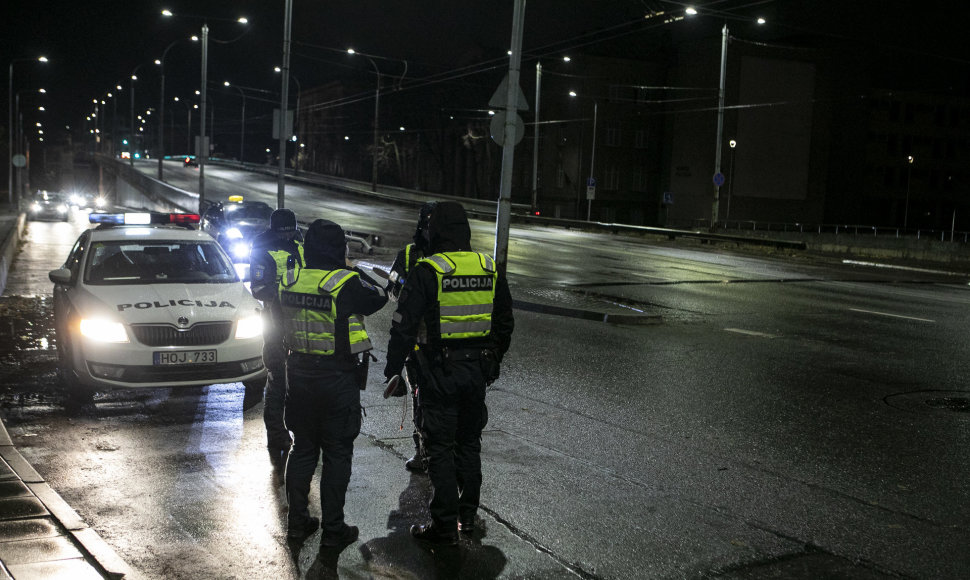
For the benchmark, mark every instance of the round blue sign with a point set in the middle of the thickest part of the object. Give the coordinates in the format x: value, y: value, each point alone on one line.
x: 719, y: 179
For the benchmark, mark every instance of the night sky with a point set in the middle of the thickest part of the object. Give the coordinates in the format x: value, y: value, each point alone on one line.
x: 95, y: 45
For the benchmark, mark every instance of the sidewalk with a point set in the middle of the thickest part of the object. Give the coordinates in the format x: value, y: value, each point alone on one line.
x: 41, y: 537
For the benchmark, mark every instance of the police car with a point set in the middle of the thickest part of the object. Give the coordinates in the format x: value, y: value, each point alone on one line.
x: 147, y: 300
x: 234, y: 224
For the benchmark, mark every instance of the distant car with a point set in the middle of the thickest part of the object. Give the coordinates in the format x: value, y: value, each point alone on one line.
x: 190, y: 161
x: 45, y: 205
x: 234, y: 224
x: 87, y: 201
x: 147, y: 300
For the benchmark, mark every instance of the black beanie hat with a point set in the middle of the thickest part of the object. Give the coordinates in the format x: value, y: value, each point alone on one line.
x: 324, y: 246
x: 282, y: 220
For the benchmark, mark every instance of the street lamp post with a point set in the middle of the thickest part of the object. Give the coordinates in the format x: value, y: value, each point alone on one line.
x: 242, y: 130
x: 203, y: 145
x: 727, y: 213
x: 909, y: 174
x: 161, y: 106
x: 720, y: 129
x: 296, y: 110
x: 535, y: 144
x: 10, y: 165
x: 131, y: 136
x: 21, y: 140
x: 284, y: 102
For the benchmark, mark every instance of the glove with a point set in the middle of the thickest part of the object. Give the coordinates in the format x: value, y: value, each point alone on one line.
x: 395, y: 387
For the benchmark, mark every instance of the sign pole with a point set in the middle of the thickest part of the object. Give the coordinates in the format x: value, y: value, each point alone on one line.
x: 503, y: 216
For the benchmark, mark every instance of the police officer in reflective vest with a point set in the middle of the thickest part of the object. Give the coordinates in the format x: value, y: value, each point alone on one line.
x: 323, y: 306
x: 403, y: 264
x: 272, y: 251
x: 466, y: 309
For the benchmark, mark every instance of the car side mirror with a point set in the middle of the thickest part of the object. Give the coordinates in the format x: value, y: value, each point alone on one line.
x: 60, y: 276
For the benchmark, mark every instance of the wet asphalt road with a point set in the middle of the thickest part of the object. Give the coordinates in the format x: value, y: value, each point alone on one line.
x: 789, y: 418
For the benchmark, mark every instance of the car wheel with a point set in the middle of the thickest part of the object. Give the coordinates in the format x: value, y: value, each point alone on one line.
x: 76, y: 391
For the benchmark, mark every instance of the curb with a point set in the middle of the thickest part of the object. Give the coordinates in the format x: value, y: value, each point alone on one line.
x: 94, y: 549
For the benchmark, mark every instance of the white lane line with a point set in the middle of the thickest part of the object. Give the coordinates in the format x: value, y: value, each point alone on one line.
x: 892, y: 315
x: 895, y: 267
x: 751, y: 332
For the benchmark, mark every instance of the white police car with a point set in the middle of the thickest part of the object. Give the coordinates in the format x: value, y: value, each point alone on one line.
x: 147, y: 300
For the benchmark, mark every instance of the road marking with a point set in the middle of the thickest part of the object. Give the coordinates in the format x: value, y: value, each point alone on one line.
x: 896, y: 267
x: 751, y: 332
x: 892, y: 315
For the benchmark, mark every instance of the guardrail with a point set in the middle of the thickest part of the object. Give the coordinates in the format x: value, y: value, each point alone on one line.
x: 840, y: 229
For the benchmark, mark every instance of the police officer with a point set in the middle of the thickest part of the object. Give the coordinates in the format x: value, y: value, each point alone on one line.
x: 323, y: 305
x: 400, y: 270
x: 466, y: 308
x: 272, y: 251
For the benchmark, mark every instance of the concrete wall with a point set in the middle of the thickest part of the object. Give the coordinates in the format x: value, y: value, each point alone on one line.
x: 9, y: 245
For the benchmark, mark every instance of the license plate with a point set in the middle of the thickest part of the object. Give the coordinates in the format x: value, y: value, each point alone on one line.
x: 184, y: 357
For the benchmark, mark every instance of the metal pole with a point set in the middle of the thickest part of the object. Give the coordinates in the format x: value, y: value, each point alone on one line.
x: 242, y: 132
x: 592, y: 162
x: 188, y: 136
x: 203, y: 146
x: 296, y: 125
x: 161, y: 121
x: 535, y: 144
x: 727, y: 212
x: 504, y: 214
x: 10, y: 167
x: 909, y: 174
x: 284, y: 102
x: 131, y: 131
x: 377, y: 100
x: 720, y: 126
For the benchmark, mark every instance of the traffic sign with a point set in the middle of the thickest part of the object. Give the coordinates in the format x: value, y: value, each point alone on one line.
x: 591, y: 182
x: 668, y: 198
x: 500, y: 98
x: 719, y: 179
x: 497, y: 128
x: 19, y: 160
x: 591, y: 191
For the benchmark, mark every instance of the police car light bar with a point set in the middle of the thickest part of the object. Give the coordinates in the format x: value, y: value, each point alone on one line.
x: 143, y: 218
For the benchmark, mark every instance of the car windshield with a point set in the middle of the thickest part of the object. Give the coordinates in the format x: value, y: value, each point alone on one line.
x: 248, y: 212
x: 48, y: 197
x: 157, y: 262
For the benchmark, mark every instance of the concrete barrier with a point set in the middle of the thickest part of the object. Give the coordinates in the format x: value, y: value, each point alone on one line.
x: 9, y: 245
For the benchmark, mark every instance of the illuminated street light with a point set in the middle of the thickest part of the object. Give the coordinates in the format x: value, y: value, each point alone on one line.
x: 10, y: 147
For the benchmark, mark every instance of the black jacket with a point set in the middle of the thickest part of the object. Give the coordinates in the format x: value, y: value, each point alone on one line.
x: 449, y: 232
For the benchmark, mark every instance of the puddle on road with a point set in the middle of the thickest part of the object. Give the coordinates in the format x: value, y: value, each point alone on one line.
x: 27, y: 354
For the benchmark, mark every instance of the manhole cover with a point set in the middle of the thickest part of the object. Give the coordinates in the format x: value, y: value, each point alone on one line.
x: 933, y: 402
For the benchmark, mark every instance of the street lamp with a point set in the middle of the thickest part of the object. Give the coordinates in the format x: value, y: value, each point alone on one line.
x: 535, y: 139
x: 131, y: 137
x: 733, y: 145
x: 377, y: 99
x: 21, y: 138
x: 296, y: 111
x: 909, y: 174
x: 242, y: 130
x: 203, y: 145
x: 161, y: 103
x: 590, y: 185
x: 10, y: 95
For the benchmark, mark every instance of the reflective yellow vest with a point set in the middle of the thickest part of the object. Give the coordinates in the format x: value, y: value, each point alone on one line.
x: 309, y: 301
x: 466, y: 291
x: 281, y: 256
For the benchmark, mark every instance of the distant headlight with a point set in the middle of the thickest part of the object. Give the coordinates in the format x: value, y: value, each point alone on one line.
x: 62, y: 208
x: 240, y: 250
x: 249, y: 327
x: 103, y: 330
x: 100, y: 202
x: 233, y: 234
x: 35, y: 207
x: 76, y: 199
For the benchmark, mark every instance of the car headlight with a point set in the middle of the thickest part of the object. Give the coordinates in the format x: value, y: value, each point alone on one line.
x: 249, y: 327
x: 103, y: 330
x: 240, y: 250
x: 62, y: 208
x: 35, y: 207
x: 99, y: 202
x: 233, y: 233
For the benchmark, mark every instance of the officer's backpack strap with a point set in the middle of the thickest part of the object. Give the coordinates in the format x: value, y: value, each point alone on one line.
x: 441, y: 263
x: 335, y: 280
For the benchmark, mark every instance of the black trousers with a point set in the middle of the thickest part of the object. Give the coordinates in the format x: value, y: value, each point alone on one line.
x: 453, y: 415
x: 414, y: 376
x: 274, y: 357
x: 323, y: 411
